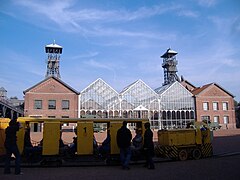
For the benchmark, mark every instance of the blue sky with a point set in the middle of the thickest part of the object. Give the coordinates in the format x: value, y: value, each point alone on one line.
x: 120, y: 41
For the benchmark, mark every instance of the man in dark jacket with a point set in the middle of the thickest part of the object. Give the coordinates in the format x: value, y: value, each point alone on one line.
x: 148, y: 146
x: 124, y: 138
x: 11, y: 147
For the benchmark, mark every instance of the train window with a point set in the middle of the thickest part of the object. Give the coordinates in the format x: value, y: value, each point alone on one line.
x: 51, y: 116
x: 65, y: 116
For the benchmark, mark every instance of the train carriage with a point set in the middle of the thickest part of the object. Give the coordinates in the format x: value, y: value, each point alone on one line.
x: 49, y: 148
x: 177, y: 144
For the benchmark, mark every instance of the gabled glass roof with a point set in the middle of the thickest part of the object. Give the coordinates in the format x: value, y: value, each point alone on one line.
x: 100, y: 93
x: 138, y: 93
x: 175, y: 97
x: 100, y: 96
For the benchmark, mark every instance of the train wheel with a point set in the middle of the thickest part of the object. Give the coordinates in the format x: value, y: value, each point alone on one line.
x: 196, y: 154
x: 182, y: 155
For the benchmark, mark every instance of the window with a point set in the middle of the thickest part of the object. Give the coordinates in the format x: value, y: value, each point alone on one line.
x: 225, y: 119
x: 225, y: 106
x: 37, y: 104
x: 52, y: 104
x: 216, y: 119
x: 51, y: 116
x: 65, y: 116
x: 206, y: 118
x: 215, y: 106
x: 65, y: 104
x: 205, y: 106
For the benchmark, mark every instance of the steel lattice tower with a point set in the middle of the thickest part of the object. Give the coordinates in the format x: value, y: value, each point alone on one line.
x: 170, y: 67
x: 53, y: 51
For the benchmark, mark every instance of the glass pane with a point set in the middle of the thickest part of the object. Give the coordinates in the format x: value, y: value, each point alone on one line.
x: 225, y: 106
x: 65, y: 104
x: 216, y: 119
x: 51, y: 104
x: 38, y: 104
x: 215, y: 106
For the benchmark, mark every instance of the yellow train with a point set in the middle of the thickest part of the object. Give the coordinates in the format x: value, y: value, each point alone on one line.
x: 176, y: 144
x: 50, y: 149
x: 183, y: 144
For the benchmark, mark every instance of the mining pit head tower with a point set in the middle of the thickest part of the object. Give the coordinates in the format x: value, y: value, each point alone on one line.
x: 53, y: 51
x: 170, y: 67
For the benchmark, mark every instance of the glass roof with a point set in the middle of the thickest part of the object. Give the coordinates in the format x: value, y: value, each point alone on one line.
x: 138, y: 95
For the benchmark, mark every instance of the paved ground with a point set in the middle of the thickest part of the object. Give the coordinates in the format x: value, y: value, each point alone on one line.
x: 219, y: 167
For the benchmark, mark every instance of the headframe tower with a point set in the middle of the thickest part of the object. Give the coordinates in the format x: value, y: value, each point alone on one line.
x: 53, y: 51
x: 170, y: 66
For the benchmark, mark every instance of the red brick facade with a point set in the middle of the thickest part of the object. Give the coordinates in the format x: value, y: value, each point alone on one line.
x: 217, y: 104
x: 51, y: 89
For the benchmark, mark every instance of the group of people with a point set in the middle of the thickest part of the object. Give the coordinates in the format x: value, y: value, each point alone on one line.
x: 124, y: 137
x: 127, y: 145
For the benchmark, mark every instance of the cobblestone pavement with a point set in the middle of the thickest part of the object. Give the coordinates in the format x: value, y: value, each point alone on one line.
x: 217, y: 167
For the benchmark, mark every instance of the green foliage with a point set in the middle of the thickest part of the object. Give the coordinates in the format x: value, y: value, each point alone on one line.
x: 237, y: 113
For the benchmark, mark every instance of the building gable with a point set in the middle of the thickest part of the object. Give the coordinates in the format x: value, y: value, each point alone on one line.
x: 51, y: 85
x: 212, y: 90
x: 188, y: 85
x: 176, y: 90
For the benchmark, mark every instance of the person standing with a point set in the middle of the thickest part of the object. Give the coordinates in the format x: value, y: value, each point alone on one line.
x: 105, y: 148
x: 137, y: 143
x: 148, y: 146
x: 124, y: 137
x: 11, y: 147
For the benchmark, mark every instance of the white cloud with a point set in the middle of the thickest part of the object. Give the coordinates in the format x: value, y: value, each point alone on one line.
x: 94, y: 64
x: 223, y: 24
x: 82, y: 56
x: 24, y: 63
x: 188, y: 13
x: 207, y: 3
x: 92, y: 21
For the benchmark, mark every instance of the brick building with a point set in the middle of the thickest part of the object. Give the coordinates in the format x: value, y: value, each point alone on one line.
x: 214, y: 103
x: 51, y: 98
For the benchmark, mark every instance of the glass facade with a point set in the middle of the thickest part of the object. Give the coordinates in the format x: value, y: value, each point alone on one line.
x: 170, y: 106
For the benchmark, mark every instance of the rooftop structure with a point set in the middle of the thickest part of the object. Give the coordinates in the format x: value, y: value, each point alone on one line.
x: 170, y: 67
x: 53, y: 51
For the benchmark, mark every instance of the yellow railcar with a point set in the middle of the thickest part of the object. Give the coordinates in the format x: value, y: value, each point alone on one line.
x: 49, y: 147
x: 184, y: 143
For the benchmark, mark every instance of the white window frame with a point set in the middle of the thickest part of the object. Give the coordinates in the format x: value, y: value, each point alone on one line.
x: 215, y: 106
x: 65, y: 104
x: 52, y: 104
x: 225, y: 119
x: 216, y: 119
x: 205, y: 106
x: 37, y: 104
x: 225, y: 106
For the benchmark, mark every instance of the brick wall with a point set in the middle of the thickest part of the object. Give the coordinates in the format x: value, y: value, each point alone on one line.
x: 211, y: 95
x: 51, y: 89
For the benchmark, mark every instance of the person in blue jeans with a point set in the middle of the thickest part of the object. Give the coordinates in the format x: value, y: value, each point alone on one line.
x: 124, y: 138
x: 11, y: 147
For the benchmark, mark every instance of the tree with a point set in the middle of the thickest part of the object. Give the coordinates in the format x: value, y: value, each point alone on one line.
x: 237, y: 113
